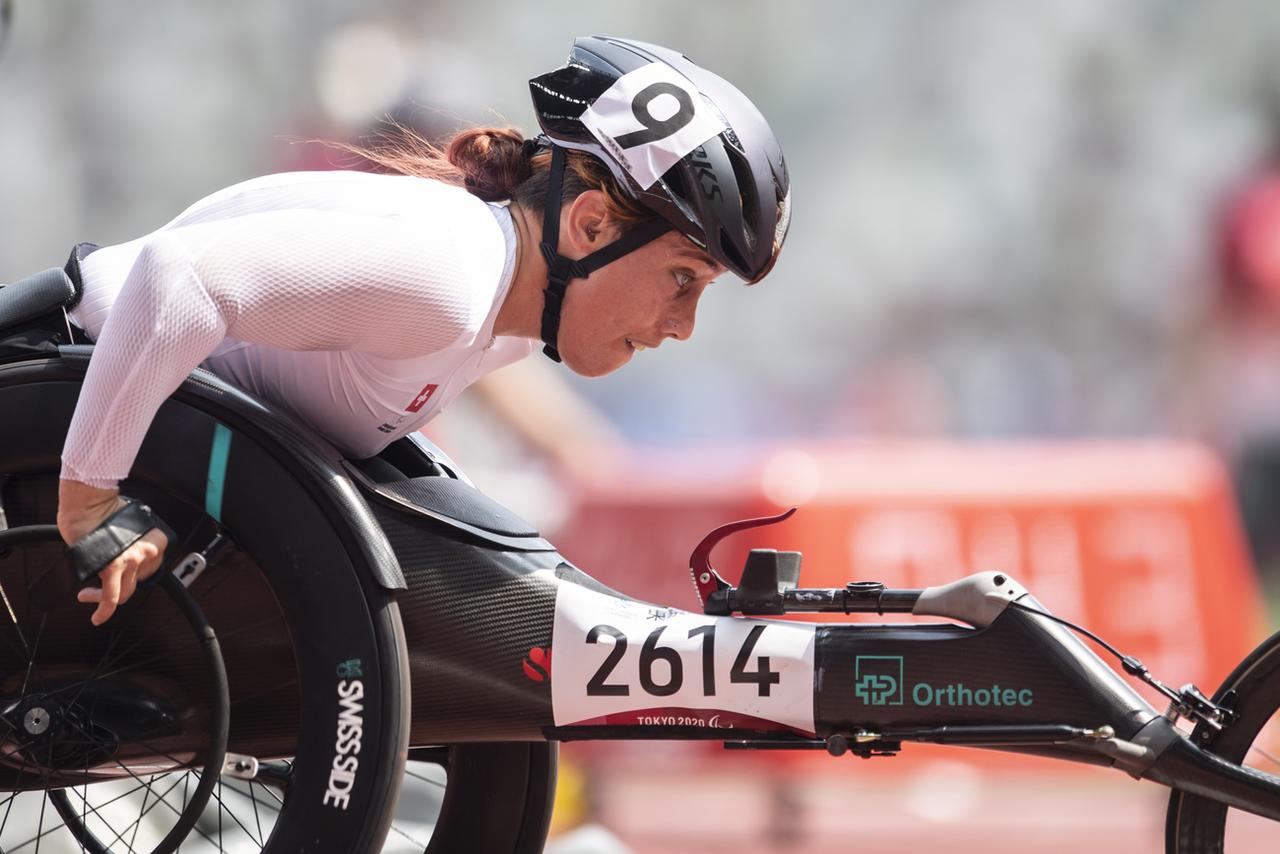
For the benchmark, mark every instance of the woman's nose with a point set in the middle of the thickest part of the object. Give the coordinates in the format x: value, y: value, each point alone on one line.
x: 679, y: 325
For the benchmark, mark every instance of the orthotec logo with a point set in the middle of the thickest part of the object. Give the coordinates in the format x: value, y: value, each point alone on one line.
x: 878, y: 679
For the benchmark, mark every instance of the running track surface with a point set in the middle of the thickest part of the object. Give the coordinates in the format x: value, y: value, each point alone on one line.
x: 934, y: 806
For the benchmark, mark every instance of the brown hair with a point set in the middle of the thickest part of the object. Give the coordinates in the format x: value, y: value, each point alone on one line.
x: 492, y: 163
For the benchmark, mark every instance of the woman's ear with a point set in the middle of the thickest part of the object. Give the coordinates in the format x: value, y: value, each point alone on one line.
x: 586, y: 225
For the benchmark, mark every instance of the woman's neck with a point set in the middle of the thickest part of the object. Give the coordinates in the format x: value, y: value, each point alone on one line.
x: 521, y: 312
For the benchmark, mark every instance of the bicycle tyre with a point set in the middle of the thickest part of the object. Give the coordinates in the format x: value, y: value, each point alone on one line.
x: 1195, y: 824
x: 498, y: 798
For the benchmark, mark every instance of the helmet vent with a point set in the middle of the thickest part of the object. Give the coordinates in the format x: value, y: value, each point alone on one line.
x: 747, y: 200
x: 563, y: 96
x: 731, y: 252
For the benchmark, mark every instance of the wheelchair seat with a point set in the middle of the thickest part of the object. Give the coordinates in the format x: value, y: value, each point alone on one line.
x: 412, y: 474
x: 35, y: 296
x: 33, y: 314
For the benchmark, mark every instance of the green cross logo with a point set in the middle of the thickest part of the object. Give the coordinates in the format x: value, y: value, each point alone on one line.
x: 878, y: 679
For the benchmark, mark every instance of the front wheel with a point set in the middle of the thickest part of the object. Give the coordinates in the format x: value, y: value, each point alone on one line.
x: 488, y: 797
x: 1197, y: 825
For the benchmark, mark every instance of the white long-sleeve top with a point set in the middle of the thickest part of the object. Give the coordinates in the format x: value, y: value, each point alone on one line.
x: 363, y: 304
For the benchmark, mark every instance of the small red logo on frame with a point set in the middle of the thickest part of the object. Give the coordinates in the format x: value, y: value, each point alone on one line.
x: 538, y: 665
x: 422, y: 398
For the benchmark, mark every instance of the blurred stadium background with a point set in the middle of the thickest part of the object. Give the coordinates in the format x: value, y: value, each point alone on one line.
x: 1014, y: 224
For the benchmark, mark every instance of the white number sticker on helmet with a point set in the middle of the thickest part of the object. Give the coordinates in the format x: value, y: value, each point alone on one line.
x: 649, y: 119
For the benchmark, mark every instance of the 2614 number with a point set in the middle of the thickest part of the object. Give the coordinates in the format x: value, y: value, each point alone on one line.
x: 763, y: 676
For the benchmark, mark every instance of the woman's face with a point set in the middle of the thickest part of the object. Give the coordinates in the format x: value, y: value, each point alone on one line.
x: 633, y: 303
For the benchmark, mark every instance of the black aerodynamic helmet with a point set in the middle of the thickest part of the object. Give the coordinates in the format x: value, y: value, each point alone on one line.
x: 687, y: 145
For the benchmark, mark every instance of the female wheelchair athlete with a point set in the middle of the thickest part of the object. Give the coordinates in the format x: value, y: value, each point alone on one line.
x: 258, y: 697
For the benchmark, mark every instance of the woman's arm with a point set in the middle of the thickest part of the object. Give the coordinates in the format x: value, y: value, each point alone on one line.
x: 296, y: 279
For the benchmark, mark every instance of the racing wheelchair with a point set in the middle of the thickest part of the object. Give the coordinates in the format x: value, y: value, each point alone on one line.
x: 257, y: 698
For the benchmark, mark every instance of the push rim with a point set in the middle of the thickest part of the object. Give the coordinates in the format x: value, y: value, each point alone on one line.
x: 99, y: 726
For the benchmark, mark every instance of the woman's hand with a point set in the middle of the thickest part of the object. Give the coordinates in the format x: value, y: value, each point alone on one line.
x: 81, y: 508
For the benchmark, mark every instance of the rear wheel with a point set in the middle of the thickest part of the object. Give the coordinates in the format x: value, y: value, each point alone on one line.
x: 1197, y: 825
x: 317, y: 708
x: 102, y: 725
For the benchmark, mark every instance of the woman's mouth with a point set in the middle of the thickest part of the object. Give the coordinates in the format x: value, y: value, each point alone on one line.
x: 635, y: 345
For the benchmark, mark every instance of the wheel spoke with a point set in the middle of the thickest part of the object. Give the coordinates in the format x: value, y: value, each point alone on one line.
x: 14, y: 617
x: 40, y: 827
x: 31, y: 660
x: 163, y: 656
x: 257, y: 817
x: 9, y: 806
x: 114, y: 636
x: 84, y: 799
x: 35, y: 839
x: 86, y: 808
x: 424, y: 779
x: 163, y: 800
x: 186, y: 780
x: 160, y: 800
x: 217, y: 796
x: 43, y: 803
x: 422, y: 843
x: 142, y: 811
x: 1270, y: 757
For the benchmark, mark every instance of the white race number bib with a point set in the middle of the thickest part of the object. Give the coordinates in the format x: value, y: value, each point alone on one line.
x: 616, y: 656
x: 649, y: 119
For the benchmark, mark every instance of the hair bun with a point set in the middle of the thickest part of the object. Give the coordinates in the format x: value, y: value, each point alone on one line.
x: 492, y: 161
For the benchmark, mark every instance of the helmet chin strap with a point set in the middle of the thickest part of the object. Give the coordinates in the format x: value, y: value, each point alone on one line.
x: 562, y: 270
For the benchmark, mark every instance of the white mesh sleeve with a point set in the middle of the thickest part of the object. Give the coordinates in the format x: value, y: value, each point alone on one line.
x: 302, y: 280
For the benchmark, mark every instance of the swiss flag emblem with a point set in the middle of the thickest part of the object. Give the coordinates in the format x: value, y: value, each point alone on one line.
x: 422, y: 398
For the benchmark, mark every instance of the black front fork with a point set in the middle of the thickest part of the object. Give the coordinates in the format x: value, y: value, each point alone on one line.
x: 1187, y: 767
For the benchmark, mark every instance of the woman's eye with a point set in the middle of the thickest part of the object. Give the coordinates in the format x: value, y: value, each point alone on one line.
x: 683, y: 280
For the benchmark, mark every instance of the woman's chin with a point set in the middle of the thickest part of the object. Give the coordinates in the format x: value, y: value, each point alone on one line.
x: 595, y: 364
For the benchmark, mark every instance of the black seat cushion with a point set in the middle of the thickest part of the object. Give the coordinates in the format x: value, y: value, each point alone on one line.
x: 35, y: 296
x: 456, y: 500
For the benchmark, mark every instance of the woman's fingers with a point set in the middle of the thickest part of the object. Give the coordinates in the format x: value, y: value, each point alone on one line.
x: 151, y: 553
x: 109, y: 596
x: 120, y: 578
